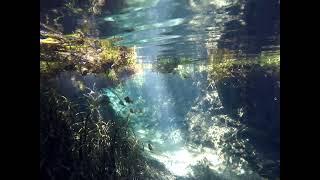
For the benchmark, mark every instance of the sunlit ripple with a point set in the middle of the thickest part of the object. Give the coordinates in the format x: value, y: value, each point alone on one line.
x: 169, y: 143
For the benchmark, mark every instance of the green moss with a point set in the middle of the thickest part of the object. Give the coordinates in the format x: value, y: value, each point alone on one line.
x: 112, y: 75
x: 270, y: 60
x: 168, y: 65
x: 227, y: 65
x: 49, y: 67
x: 94, y: 55
x: 185, y: 60
x: 109, y: 51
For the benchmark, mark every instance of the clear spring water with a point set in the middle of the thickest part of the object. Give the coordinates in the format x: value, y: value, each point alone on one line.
x: 165, y: 110
x: 177, y: 114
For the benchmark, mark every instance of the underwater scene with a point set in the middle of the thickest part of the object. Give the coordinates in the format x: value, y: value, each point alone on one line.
x: 160, y: 89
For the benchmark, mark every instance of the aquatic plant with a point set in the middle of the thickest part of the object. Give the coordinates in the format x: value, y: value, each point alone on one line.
x: 54, y: 13
x: 168, y: 65
x: 85, y: 55
x: 88, y: 6
x: 225, y: 64
x: 90, y: 143
x: 111, y: 75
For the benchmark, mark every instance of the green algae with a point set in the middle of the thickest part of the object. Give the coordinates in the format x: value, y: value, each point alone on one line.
x: 227, y: 65
x: 85, y: 54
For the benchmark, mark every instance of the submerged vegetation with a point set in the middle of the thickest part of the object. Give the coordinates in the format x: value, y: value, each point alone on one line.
x: 75, y: 52
x: 82, y: 137
x: 88, y: 142
x: 226, y: 64
x: 168, y: 65
x: 68, y: 15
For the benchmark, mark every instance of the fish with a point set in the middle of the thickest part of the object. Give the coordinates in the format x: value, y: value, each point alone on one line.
x: 131, y: 110
x: 185, y: 76
x: 110, y: 19
x: 150, y: 147
x: 129, y: 30
x: 128, y: 100
x: 121, y: 102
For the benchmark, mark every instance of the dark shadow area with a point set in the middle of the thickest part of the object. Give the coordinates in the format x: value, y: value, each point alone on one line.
x: 258, y: 97
x: 256, y: 28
